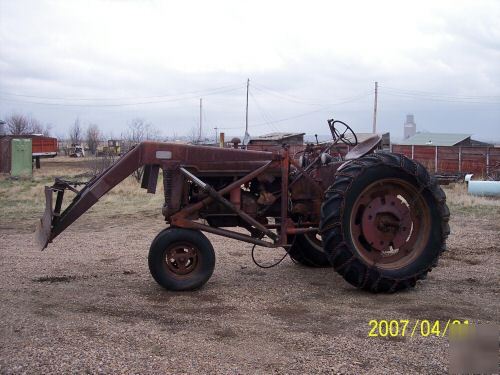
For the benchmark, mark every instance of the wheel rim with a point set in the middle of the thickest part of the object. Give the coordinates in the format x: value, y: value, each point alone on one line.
x: 390, y: 224
x: 181, y: 259
x: 315, y: 241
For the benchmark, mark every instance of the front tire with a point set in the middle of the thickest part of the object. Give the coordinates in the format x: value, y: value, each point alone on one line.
x: 384, y: 222
x: 181, y: 259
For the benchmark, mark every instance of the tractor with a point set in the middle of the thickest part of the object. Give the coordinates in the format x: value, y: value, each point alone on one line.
x: 378, y: 219
x: 76, y: 151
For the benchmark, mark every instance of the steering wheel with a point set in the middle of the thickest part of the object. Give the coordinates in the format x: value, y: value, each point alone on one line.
x: 342, y: 132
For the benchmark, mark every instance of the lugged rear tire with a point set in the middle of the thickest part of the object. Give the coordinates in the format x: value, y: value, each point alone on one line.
x: 308, y: 252
x: 348, y: 204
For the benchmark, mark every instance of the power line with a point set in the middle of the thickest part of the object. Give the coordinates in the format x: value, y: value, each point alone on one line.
x: 438, y: 99
x: 283, y: 96
x: 322, y: 109
x: 197, y: 92
x: 296, y: 99
x: 246, y: 113
x: 201, y: 119
x: 267, y: 119
x: 375, y: 104
x: 437, y: 96
x: 420, y: 92
x: 206, y: 120
x: 120, y: 104
x: 326, y: 108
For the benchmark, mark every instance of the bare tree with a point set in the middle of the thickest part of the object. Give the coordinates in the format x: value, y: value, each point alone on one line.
x: 139, y: 130
x: 18, y: 124
x: 36, y: 127
x: 93, y: 135
x: 75, y: 132
x: 46, y: 130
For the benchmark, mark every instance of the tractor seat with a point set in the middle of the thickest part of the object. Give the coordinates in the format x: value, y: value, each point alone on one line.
x: 363, y: 148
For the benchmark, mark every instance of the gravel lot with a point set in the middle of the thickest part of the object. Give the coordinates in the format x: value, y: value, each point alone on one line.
x: 88, y: 304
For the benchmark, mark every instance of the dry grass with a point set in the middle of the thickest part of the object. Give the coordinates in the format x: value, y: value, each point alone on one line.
x: 460, y: 201
x: 23, y: 201
x: 129, y: 199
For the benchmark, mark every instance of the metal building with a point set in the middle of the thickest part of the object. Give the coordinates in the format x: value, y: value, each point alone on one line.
x: 274, y: 142
x: 16, y: 156
x: 442, y: 139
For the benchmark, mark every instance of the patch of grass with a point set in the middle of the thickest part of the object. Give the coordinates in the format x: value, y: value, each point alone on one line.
x: 22, y: 201
x: 460, y: 201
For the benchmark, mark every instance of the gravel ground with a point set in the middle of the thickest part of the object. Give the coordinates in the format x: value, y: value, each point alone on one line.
x: 88, y: 304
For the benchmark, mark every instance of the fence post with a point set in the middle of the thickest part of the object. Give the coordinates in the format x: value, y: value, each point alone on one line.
x: 436, y: 159
x: 487, y: 161
x: 460, y: 159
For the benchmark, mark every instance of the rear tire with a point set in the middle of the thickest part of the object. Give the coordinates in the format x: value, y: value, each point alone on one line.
x: 308, y: 251
x: 355, y: 235
x: 181, y: 259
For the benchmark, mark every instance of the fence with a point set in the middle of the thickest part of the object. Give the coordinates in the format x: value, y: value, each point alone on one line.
x: 481, y: 161
x: 447, y: 160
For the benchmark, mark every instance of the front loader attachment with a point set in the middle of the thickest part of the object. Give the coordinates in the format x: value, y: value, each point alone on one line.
x: 53, y: 221
x: 52, y: 214
x: 152, y: 155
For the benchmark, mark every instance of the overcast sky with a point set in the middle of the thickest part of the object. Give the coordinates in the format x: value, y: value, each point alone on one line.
x: 109, y: 61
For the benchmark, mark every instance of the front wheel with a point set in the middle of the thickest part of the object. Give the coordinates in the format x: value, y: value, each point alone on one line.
x: 181, y: 259
x: 384, y: 222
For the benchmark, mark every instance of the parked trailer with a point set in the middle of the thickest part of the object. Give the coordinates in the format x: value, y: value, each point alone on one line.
x: 378, y: 219
x: 44, y: 147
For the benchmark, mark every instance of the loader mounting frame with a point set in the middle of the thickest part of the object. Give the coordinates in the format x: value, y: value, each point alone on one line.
x: 171, y: 157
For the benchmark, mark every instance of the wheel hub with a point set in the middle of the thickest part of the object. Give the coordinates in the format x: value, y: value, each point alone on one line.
x: 386, y: 222
x: 181, y: 260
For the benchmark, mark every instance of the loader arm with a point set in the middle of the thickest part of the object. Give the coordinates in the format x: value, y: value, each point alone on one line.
x: 151, y: 154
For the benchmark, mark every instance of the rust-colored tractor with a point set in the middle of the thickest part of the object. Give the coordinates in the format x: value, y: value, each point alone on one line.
x: 379, y: 219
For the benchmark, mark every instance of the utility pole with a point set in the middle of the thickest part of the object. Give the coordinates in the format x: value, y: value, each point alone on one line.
x: 375, y: 109
x: 199, y: 133
x: 246, y: 114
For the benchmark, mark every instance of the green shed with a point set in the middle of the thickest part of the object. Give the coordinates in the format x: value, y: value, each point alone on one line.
x: 21, y: 157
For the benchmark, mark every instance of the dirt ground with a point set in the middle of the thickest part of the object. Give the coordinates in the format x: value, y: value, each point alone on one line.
x: 88, y: 304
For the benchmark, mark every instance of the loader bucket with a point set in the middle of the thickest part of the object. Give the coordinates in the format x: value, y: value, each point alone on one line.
x: 55, y: 220
x: 44, y: 225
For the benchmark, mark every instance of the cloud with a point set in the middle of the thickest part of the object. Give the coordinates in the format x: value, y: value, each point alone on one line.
x: 320, y: 53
